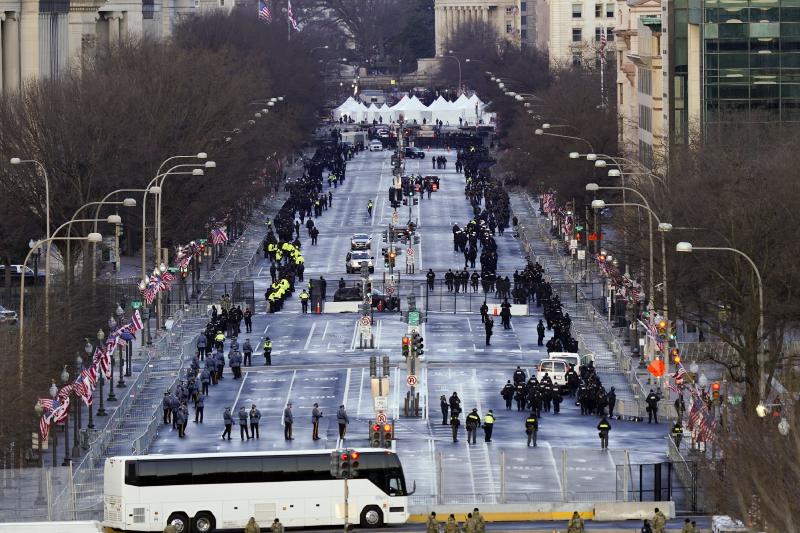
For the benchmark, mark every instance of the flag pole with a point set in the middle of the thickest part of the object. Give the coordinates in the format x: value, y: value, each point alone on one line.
x: 288, y: 21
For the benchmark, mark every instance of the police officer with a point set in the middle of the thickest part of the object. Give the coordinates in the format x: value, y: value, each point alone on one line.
x: 228, y: 419
x: 199, y: 405
x: 445, y: 407
x: 454, y: 423
x: 268, y: 351
x: 304, y: 296
x: 316, y: 414
x: 488, y: 426
x: 369, y: 208
x: 484, y: 312
x: 488, y: 326
x: 519, y: 375
x: 532, y: 428
x: 652, y: 407
x: 604, y: 427
x: 342, y: 419
x: 247, y: 348
x: 430, y: 277
x: 288, y: 420
x: 508, y: 394
x: 243, y: 432
x: 540, y: 332
x: 255, y: 419
x: 677, y: 433
x: 473, y: 422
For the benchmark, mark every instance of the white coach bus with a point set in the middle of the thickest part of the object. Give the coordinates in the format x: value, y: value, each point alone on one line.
x: 199, y: 493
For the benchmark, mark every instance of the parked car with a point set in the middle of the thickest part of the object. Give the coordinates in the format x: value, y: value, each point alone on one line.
x: 360, y: 241
x: 556, y: 369
x: 375, y: 146
x: 379, y: 299
x: 353, y: 261
x: 31, y: 277
x: 573, y: 359
x: 7, y: 316
x: 414, y: 153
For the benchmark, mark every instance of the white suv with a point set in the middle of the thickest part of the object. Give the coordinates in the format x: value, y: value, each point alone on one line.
x: 354, y: 260
x: 375, y: 146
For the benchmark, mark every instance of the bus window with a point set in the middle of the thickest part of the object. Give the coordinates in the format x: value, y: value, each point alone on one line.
x: 395, y: 488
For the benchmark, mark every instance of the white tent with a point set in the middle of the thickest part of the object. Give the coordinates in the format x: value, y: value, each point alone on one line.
x: 475, y: 100
x: 399, y: 109
x: 385, y: 114
x: 349, y: 107
x: 373, y: 112
x: 416, y: 110
x: 445, y: 111
x: 466, y: 108
x: 363, y: 113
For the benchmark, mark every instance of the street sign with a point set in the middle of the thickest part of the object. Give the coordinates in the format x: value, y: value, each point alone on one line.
x: 136, y: 304
x: 395, y: 218
x: 411, y: 380
x: 381, y: 403
x: 581, y: 255
x: 381, y: 418
x: 389, y: 290
x: 409, y: 251
x: 573, y: 243
x: 413, y: 318
x: 365, y: 321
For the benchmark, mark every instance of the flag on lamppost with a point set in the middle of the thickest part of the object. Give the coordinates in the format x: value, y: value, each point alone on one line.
x: 290, y: 16
x: 264, y: 13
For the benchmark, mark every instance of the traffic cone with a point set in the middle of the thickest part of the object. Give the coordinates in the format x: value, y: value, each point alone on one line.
x: 318, y: 310
x: 495, y: 311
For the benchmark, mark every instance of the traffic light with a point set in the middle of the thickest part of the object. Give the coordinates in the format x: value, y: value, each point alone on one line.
x: 354, y: 463
x: 662, y: 328
x: 392, y: 256
x: 676, y: 356
x: 375, y: 435
x: 715, y: 391
x: 417, y: 345
x: 406, y: 346
x: 388, y: 435
x: 344, y: 465
x: 405, y: 201
x: 335, y: 464
x: 416, y: 201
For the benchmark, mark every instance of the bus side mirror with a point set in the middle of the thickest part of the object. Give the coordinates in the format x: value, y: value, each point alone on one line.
x: 413, y: 487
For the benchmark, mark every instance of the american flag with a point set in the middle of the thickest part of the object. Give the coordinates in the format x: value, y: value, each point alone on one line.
x: 90, y: 376
x: 603, y: 40
x: 83, y: 390
x: 65, y: 391
x: 694, y: 412
x: 680, y: 373
x: 44, y: 427
x: 548, y: 202
x: 136, y: 321
x: 150, y: 294
x: 102, y: 361
x: 264, y: 14
x: 183, y: 259
x: 290, y: 16
x: 218, y: 236
x: 707, y: 425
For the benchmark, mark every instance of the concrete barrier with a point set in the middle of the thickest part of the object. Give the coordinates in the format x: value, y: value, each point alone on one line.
x: 631, y: 510
x: 516, y: 309
x: 509, y: 512
x: 52, y: 527
x: 340, y: 307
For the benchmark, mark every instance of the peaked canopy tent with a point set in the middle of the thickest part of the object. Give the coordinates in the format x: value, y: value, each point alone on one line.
x: 373, y: 112
x: 350, y: 108
x: 385, y: 114
x: 416, y: 110
x: 445, y: 111
x: 471, y: 111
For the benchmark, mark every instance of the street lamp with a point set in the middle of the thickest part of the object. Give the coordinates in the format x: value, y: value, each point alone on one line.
x: 542, y: 132
x: 687, y: 247
x: 36, y: 254
x: 64, y: 380
x: 101, y: 410
x: 40, y: 166
x: 92, y: 238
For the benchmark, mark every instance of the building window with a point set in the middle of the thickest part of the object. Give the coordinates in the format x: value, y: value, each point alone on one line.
x: 610, y: 11
x: 598, y: 10
x: 524, y: 34
x: 523, y: 6
x: 621, y: 94
x: 644, y: 80
x: 576, y: 59
x: 598, y: 32
x: 645, y: 118
x: 577, y: 11
x: 523, y: 20
x: 509, y: 11
x: 577, y: 35
x: 610, y: 34
x: 509, y: 28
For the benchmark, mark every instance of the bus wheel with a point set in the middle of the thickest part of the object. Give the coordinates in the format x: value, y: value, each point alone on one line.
x: 203, y: 523
x: 180, y: 521
x: 371, y: 516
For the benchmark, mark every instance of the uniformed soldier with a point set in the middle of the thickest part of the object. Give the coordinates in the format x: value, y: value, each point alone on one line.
x: 469, y: 524
x: 532, y: 428
x: 247, y: 348
x: 432, y: 526
x: 575, y: 524
x: 687, y: 526
x: 228, y: 419
x: 276, y: 527
x: 659, y: 521
x: 255, y: 419
x: 288, y: 420
x: 473, y: 422
x: 252, y: 526
x: 488, y: 426
x: 268, y: 351
x: 316, y: 414
x: 451, y: 526
x: 243, y: 431
x: 343, y: 420
x: 477, y: 517
x: 604, y: 427
x: 199, y: 406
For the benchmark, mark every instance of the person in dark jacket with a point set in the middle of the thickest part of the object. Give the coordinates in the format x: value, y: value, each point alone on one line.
x: 243, y: 431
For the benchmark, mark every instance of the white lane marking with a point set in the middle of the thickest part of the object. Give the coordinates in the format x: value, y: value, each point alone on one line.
x: 265, y: 329
x: 555, y: 466
x: 360, y: 393
x: 288, y: 394
x: 241, y: 385
x: 346, y: 387
x: 469, y: 323
x: 380, y: 331
x: 325, y: 331
x: 353, y: 340
x: 310, y: 335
